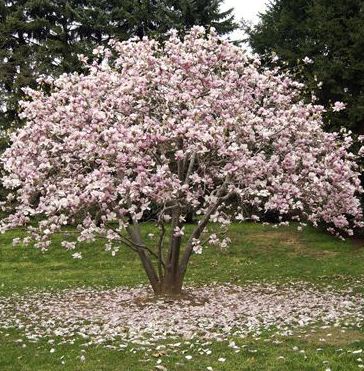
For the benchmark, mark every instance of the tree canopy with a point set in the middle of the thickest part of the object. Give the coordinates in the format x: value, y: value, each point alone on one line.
x: 180, y: 125
x: 323, y: 40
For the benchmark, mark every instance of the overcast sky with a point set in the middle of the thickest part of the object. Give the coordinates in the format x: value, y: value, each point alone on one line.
x: 247, y: 9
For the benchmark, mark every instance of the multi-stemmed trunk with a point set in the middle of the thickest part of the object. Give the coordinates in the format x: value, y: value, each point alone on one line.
x: 168, y: 278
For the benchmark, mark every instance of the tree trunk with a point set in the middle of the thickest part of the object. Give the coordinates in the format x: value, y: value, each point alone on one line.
x: 190, y: 216
x: 171, y: 285
x: 135, y: 235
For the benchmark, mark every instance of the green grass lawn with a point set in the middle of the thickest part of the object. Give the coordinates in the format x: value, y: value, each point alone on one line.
x: 258, y: 253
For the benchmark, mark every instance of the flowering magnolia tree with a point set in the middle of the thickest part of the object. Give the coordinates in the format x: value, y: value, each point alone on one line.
x: 192, y: 124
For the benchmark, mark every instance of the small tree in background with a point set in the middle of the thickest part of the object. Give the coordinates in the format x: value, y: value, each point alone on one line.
x: 324, y: 40
x: 192, y: 124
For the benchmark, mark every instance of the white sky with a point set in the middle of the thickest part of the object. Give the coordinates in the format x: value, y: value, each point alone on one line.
x: 247, y: 9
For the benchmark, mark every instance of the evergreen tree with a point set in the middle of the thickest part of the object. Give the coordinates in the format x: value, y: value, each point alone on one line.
x: 206, y: 13
x: 331, y: 34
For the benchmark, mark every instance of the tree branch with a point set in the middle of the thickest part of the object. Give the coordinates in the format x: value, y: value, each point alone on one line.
x: 135, y: 235
x: 160, y: 246
x: 201, y: 226
x: 190, y: 168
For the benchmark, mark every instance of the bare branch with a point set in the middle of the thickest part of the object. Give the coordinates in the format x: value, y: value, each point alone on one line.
x: 160, y: 247
x: 135, y: 235
x: 201, y: 226
x: 190, y: 168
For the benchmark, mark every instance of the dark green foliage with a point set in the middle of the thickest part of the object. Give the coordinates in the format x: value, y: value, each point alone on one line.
x: 331, y: 33
x: 206, y: 13
x: 44, y: 36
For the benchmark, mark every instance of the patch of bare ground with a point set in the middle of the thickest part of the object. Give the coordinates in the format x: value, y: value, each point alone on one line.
x: 291, y: 242
x: 358, y: 243
x: 334, y: 336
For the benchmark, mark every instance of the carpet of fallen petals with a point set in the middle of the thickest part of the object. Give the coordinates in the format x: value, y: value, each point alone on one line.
x: 123, y: 316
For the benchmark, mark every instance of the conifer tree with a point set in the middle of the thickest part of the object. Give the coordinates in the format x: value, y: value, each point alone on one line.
x: 206, y: 13
x: 324, y: 40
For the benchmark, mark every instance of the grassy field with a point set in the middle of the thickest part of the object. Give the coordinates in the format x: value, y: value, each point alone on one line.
x: 258, y: 253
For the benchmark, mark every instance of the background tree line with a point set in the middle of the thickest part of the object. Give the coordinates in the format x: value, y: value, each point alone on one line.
x: 45, y: 36
x: 330, y: 35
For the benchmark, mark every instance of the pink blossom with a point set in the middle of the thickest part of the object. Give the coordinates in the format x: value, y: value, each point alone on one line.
x: 338, y: 106
x: 77, y: 255
x: 307, y: 60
